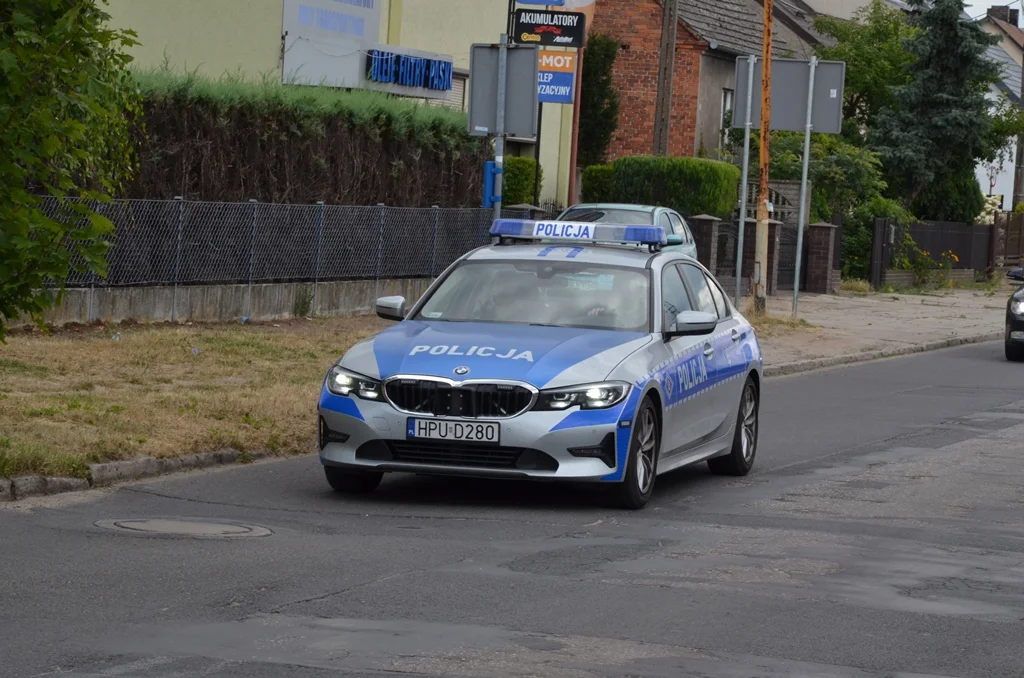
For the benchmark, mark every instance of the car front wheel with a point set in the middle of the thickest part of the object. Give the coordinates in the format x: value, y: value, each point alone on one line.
x: 642, y: 465
x: 1014, y: 349
x: 740, y: 459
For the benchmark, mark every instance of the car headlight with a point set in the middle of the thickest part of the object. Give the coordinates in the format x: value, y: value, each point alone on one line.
x: 586, y: 396
x: 343, y: 382
x: 1017, y: 307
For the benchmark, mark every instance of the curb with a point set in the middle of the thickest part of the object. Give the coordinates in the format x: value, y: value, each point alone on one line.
x: 102, y: 475
x: 867, y: 356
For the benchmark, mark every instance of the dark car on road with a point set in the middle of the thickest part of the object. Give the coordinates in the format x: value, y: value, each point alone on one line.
x: 1015, y: 319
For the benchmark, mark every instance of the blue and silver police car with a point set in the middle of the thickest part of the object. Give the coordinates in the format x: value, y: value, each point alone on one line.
x: 563, y: 351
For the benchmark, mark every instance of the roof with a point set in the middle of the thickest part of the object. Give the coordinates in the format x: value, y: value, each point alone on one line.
x: 801, y: 17
x: 609, y: 255
x: 1012, y: 32
x: 612, y: 206
x: 1011, y: 72
x: 724, y: 24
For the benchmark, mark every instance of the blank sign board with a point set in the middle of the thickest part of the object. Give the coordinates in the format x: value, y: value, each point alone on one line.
x: 520, y: 91
x: 789, y: 95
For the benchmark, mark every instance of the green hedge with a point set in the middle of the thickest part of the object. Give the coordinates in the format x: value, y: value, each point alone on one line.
x: 690, y: 186
x: 518, y: 180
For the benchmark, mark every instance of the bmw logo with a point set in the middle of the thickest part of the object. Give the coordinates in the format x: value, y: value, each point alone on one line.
x: 461, y: 371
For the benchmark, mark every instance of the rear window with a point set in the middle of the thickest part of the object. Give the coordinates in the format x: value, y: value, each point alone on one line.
x: 609, y: 216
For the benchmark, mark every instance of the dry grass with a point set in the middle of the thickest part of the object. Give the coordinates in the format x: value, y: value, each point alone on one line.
x: 102, y: 394
x: 855, y: 286
x: 768, y: 326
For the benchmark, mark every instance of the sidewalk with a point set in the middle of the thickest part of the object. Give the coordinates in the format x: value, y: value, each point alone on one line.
x: 845, y: 326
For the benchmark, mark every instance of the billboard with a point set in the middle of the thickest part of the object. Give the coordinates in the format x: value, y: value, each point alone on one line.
x: 357, y: 20
x: 556, y: 79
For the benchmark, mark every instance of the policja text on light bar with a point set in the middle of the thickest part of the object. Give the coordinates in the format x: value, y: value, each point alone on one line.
x: 578, y: 231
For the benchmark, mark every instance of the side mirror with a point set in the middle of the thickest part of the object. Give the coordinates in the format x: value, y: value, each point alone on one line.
x: 1016, y: 274
x: 391, y: 308
x: 674, y: 240
x: 693, y: 324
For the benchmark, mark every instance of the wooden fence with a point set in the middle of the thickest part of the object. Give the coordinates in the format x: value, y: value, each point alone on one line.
x: 1008, y: 246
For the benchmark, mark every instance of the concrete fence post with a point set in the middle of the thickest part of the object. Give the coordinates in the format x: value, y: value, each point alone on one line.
x: 318, y: 253
x: 433, y: 238
x: 252, y: 261
x: 180, y: 227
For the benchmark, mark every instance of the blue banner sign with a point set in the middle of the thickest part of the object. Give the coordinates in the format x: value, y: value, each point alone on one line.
x: 409, y: 71
x: 555, y: 88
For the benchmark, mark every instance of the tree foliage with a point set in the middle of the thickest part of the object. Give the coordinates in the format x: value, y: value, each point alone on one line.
x: 877, y: 59
x: 939, y: 124
x: 518, y: 181
x: 67, y: 108
x: 599, y: 101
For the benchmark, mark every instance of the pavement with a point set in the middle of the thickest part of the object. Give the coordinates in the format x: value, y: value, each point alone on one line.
x: 881, y: 534
x: 845, y: 325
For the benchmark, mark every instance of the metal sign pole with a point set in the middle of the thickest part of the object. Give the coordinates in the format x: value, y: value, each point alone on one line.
x: 499, y: 142
x: 803, y: 185
x: 751, y: 61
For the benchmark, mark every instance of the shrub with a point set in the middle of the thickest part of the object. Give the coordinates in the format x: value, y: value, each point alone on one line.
x: 234, y: 140
x: 858, y: 234
x: 688, y: 185
x: 597, y: 182
x: 599, y: 101
x: 518, y: 180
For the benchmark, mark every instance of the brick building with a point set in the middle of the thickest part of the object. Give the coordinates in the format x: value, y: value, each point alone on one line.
x: 710, y: 35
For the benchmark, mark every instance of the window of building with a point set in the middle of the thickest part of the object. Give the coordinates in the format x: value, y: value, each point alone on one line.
x: 727, y: 101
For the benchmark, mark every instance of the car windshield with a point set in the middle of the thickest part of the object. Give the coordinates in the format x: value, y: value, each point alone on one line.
x: 601, y: 215
x: 562, y: 294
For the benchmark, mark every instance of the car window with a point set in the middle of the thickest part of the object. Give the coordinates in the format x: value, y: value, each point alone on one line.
x: 677, y: 226
x: 559, y: 294
x: 601, y: 215
x: 666, y: 223
x: 674, y: 298
x: 719, y: 297
x: 700, y: 289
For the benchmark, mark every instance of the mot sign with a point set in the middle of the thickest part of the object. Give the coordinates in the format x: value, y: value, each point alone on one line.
x: 556, y: 80
x: 550, y: 29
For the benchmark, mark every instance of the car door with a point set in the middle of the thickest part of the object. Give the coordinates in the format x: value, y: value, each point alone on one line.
x: 689, y: 414
x: 689, y: 247
x: 665, y: 222
x: 717, y: 349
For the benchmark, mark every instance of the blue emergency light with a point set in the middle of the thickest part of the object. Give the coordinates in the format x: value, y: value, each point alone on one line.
x: 579, y: 231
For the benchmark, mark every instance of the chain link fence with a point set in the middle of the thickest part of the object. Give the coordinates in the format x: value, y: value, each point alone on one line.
x: 185, y: 242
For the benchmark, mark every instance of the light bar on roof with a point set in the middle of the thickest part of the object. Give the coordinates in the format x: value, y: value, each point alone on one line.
x: 578, y: 231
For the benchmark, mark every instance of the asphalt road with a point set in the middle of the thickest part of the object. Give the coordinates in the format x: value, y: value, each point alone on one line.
x: 882, y: 535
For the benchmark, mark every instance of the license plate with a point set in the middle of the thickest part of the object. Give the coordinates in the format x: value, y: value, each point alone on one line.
x: 455, y: 431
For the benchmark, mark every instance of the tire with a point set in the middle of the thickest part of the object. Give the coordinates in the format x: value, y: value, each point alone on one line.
x: 740, y: 459
x: 351, y: 481
x: 642, y: 465
x: 1014, y: 351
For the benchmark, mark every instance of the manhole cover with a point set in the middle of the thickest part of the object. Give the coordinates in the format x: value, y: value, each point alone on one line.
x: 186, y: 528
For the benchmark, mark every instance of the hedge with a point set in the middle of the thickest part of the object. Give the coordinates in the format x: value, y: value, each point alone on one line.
x: 235, y: 140
x: 690, y: 186
x: 518, y: 180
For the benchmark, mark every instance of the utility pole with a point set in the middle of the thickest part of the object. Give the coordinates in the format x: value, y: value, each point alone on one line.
x: 761, y: 236
x: 666, y: 73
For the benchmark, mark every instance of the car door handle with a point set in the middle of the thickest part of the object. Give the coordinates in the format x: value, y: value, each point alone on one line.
x: 735, y: 335
x: 708, y: 350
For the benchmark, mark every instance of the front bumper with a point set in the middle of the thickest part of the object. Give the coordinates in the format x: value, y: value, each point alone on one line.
x: 1014, y: 327
x: 578, y: 445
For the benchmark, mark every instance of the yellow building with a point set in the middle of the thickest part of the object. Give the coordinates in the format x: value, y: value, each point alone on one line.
x: 324, y: 42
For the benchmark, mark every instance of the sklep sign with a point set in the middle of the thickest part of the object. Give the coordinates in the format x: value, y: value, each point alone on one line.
x: 555, y: 29
x: 556, y: 77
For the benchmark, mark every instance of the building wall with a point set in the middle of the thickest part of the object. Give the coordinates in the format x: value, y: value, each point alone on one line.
x: 1008, y: 45
x: 717, y: 74
x: 637, y: 25
x: 243, y: 37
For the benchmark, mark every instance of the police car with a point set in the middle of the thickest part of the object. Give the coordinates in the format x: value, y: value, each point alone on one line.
x: 564, y: 351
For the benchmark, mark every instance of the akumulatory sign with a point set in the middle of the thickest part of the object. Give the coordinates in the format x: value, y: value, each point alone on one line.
x: 559, y: 29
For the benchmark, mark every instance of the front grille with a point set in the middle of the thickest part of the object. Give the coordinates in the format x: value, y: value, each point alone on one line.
x: 471, y: 400
x: 467, y: 455
x: 450, y: 454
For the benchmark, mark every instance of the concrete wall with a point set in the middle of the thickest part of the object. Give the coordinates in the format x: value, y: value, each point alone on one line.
x: 228, y: 303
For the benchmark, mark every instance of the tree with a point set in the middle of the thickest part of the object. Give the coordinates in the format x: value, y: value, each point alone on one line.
x: 599, y: 102
x: 68, y: 106
x: 877, y: 59
x: 939, y: 124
